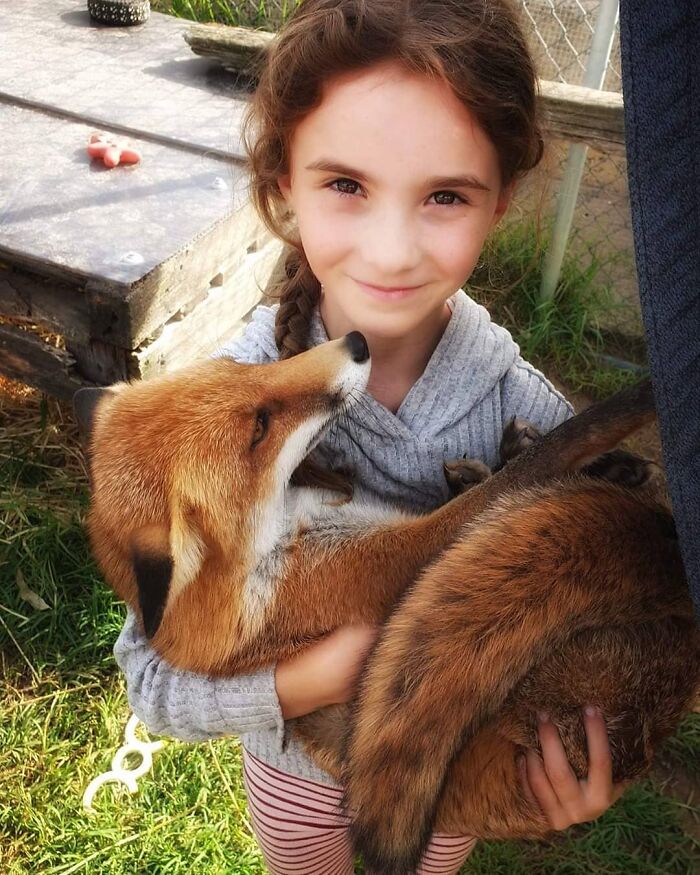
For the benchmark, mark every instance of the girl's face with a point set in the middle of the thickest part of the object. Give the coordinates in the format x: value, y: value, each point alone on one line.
x: 395, y: 188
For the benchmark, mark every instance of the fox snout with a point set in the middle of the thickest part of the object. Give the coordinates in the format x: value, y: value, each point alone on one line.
x: 355, y: 373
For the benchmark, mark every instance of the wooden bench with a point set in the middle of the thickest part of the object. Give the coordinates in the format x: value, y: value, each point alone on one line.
x: 138, y: 269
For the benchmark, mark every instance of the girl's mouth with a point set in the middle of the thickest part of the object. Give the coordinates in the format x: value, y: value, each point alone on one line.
x: 387, y: 294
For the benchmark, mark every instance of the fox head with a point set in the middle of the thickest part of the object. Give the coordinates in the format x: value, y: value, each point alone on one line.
x: 188, y: 473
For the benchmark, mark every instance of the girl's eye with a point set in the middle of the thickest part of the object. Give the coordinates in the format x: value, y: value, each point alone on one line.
x: 350, y: 188
x: 262, y: 421
x: 345, y: 187
x: 448, y: 198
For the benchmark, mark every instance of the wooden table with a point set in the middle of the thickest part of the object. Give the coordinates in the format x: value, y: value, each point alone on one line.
x: 139, y: 268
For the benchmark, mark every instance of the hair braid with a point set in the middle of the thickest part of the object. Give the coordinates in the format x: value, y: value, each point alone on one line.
x: 298, y: 300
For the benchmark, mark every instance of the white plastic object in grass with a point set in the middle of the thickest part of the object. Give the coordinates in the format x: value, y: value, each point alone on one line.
x: 118, y: 774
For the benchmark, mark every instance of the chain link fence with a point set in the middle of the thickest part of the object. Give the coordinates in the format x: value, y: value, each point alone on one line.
x: 561, y: 32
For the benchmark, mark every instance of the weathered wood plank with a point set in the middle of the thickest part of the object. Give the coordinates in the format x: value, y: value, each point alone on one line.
x: 28, y: 359
x: 237, y: 49
x: 82, y: 221
x: 107, y: 258
x: 573, y: 112
x: 24, y: 356
x: 176, y: 285
x: 213, y: 322
x: 112, y: 313
x: 139, y: 243
x: 195, y: 331
x: 570, y: 111
x: 59, y: 306
x: 102, y: 363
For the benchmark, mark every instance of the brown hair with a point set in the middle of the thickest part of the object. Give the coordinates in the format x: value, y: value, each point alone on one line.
x: 476, y: 46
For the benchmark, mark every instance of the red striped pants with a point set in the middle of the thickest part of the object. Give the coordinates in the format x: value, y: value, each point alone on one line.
x: 302, y: 830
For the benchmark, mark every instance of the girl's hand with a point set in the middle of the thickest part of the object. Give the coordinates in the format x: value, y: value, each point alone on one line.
x: 324, y: 673
x: 552, y: 784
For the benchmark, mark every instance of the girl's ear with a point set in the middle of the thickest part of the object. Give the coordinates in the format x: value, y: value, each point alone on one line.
x: 284, y: 185
x: 504, y: 199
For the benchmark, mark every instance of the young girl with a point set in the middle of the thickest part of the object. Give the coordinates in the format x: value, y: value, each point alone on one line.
x: 385, y: 138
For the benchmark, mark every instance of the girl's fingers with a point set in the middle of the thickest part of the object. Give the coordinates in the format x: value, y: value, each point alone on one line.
x: 599, y: 780
x: 561, y: 776
x: 561, y: 796
x: 543, y: 792
x: 521, y: 763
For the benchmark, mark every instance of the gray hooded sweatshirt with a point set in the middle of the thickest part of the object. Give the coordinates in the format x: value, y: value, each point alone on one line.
x: 473, y: 384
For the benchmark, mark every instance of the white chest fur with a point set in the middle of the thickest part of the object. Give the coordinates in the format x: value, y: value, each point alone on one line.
x: 313, y: 514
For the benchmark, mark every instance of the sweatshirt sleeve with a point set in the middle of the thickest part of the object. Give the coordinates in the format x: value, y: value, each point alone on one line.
x: 190, y: 706
x: 185, y: 705
x: 528, y: 394
x: 256, y: 345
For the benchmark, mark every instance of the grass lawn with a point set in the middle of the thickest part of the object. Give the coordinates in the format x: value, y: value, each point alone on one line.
x: 63, y: 709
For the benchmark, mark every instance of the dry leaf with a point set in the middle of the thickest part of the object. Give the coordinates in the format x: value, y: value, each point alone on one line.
x: 29, y: 595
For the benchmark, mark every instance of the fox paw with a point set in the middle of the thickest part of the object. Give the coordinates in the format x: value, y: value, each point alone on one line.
x: 462, y: 474
x: 518, y: 435
x: 619, y: 466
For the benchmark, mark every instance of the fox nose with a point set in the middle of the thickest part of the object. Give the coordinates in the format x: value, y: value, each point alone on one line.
x: 357, y: 346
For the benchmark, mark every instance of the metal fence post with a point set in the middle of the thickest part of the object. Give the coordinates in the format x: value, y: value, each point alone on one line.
x: 594, y: 77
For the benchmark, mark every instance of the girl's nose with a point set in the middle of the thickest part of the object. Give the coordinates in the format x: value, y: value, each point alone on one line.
x: 390, y: 248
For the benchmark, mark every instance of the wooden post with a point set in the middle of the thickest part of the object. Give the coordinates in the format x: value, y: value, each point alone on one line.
x: 568, y: 192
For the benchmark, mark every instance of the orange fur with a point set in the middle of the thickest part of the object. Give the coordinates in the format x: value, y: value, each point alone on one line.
x: 527, y: 590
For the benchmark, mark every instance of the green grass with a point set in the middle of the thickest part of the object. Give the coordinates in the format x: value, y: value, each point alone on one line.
x: 241, y: 13
x: 640, y: 835
x: 63, y: 709
x: 564, y: 335
x: 63, y: 705
x: 683, y: 750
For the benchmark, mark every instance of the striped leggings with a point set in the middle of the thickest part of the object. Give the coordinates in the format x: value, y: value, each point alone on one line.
x: 302, y: 830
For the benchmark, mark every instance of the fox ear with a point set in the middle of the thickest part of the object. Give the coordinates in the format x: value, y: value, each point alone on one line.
x: 165, y: 560
x: 153, y: 569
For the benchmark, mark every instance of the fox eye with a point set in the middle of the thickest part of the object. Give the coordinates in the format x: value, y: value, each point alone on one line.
x: 262, y: 421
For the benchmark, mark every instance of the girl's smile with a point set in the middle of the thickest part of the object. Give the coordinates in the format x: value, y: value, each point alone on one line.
x: 395, y: 187
x: 384, y: 294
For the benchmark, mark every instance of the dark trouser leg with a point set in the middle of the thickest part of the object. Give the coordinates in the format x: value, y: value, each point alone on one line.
x: 661, y: 85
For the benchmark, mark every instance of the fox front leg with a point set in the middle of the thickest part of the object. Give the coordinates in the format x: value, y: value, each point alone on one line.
x: 616, y: 466
x: 518, y: 435
x: 619, y: 466
x: 462, y: 474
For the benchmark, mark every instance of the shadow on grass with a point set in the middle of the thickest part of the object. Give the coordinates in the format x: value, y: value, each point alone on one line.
x: 63, y: 709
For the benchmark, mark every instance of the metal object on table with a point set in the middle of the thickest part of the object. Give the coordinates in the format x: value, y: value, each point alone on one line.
x: 119, y: 12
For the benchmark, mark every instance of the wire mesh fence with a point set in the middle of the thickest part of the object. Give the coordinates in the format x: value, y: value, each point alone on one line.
x: 561, y: 33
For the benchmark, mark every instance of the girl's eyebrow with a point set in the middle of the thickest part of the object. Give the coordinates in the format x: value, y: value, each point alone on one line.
x: 467, y: 181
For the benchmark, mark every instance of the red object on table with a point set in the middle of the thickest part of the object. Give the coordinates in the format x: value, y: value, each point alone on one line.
x: 111, y: 153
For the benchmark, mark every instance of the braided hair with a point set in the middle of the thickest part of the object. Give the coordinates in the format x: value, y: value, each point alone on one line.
x: 476, y: 46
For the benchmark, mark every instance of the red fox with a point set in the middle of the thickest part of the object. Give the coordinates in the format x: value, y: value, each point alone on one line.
x: 538, y: 588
